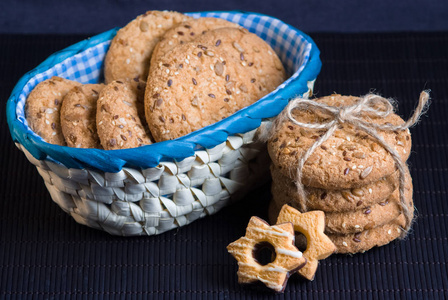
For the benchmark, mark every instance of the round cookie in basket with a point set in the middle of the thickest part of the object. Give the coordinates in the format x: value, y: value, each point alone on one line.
x: 155, y: 188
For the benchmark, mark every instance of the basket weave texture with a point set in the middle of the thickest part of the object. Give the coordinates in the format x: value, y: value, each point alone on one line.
x: 152, y: 189
x: 154, y: 200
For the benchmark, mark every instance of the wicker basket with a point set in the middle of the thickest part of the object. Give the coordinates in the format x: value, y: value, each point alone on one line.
x: 155, y: 188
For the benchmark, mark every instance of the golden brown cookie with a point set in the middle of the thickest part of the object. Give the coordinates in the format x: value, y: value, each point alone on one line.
x: 78, y: 116
x: 273, y: 212
x: 42, y: 108
x: 197, y: 84
x: 353, y: 242
x: 312, y: 225
x: 367, y: 217
x: 366, y: 240
x: 186, y: 32
x: 252, y: 53
x: 332, y: 200
x: 280, y: 239
x: 130, y: 50
x: 363, y: 218
x: 120, y: 120
x: 348, y: 159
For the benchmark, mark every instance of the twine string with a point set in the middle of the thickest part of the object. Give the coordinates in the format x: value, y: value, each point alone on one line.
x: 352, y: 114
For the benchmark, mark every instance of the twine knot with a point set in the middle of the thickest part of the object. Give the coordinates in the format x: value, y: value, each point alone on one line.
x: 343, y: 115
x: 356, y: 114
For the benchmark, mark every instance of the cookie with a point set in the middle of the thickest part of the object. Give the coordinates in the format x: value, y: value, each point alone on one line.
x: 311, y: 225
x: 197, y: 84
x: 353, y: 242
x: 366, y: 240
x: 348, y: 159
x: 363, y: 218
x: 130, y: 50
x: 368, y: 217
x: 352, y: 199
x: 42, y: 108
x: 280, y: 240
x: 187, y: 32
x: 78, y: 116
x: 273, y: 212
x: 120, y: 115
x: 251, y: 52
x: 332, y: 200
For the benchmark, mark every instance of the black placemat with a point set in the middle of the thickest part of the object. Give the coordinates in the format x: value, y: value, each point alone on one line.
x: 44, y: 254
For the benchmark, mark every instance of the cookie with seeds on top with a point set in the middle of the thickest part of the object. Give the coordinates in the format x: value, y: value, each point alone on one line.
x: 187, y: 32
x: 350, y: 158
x: 352, y: 221
x: 367, y: 218
x: 353, y: 242
x: 78, y: 116
x: 120, y: 116
x: 197, y: 84
x: 332, y: 200
x: 187, y: 91
x: 363, y: 218
x: 253, y: 54
x: 42, y: 108
x: 130, y: 50
x: 367, y: 239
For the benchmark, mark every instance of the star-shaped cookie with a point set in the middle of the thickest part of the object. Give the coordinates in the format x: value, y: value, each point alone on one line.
x: 312, y: 225
x: 288, y: 258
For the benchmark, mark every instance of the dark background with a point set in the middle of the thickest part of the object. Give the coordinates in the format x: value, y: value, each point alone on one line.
x: 396, y: 48
x: 90, y: 16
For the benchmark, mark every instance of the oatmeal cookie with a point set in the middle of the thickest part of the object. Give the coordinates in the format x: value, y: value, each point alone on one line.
x: 42, y: 108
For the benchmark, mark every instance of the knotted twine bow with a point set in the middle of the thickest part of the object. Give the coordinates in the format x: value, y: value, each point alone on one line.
x: 352, y: 115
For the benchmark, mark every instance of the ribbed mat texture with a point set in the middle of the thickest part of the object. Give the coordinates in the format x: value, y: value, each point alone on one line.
x: 44, y: 254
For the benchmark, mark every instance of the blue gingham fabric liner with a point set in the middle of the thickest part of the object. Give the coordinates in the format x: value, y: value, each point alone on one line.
x: 83, y: 62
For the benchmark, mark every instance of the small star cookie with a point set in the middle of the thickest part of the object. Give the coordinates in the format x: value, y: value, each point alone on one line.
x: 312, y: 225
x: 280, y: 237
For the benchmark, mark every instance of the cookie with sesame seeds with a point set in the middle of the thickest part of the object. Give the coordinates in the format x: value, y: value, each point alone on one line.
x: 130, y: 50
x: 352, y: 242
x: 187, y: 91
x: 367, y: 239
x: 120, y: 115
x: 187, y: 32
x: 331, y: 201
x: 197, y: 84
x: 348, y: 159
x: 365, y: 217
x: 43, y: 105
x: 369, y: 217
x: 78, y: 116
x: 252, y: 53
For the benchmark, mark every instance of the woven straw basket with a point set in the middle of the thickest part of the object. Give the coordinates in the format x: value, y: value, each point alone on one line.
x: 155, y: 188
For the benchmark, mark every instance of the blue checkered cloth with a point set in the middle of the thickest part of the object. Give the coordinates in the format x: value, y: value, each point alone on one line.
x: 83, y: 62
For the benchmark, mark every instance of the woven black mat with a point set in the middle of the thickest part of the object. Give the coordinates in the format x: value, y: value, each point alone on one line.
x: 44, y: 254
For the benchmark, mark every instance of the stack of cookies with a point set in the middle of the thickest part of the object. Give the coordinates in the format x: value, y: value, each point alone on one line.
x: 351, y: 177
x: 166, y: 75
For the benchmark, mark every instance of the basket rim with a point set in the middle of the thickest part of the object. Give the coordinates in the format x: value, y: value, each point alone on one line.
x: 208, y: 137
